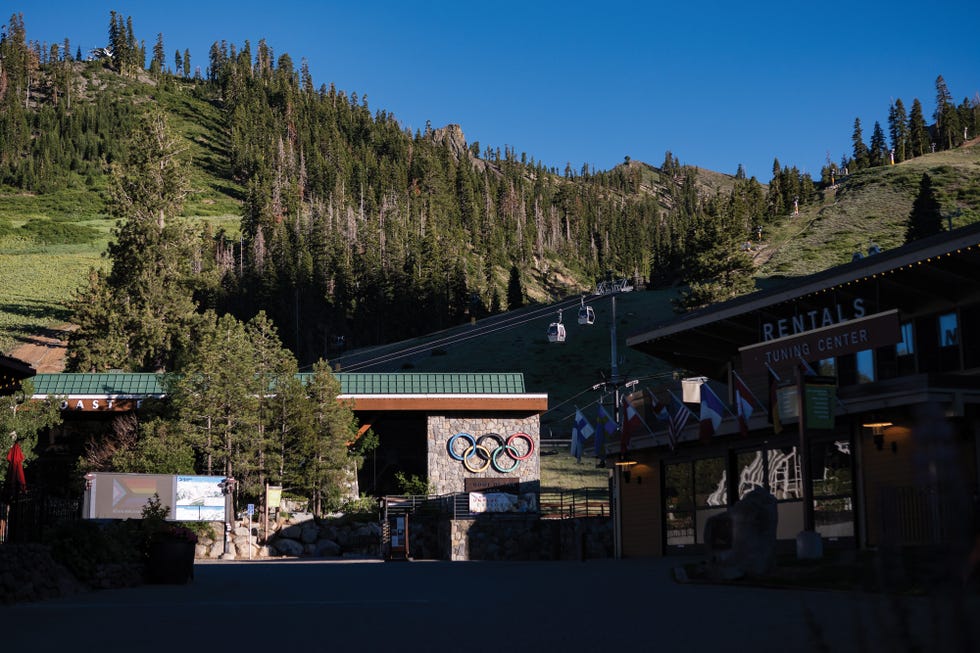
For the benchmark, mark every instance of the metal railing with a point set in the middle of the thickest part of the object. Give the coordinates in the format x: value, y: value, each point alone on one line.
x: 915, y: 515
x: 560, y: 504
x: 570, y: 504
x: 28, y: 516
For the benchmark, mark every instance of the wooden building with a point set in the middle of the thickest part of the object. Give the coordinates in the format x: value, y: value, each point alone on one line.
x: 884, y: 350
x: 414, y: 416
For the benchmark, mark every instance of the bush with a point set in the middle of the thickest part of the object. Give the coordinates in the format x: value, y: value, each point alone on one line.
x: 60, y: 233
x: 363, y: 505
x: 83, y: 546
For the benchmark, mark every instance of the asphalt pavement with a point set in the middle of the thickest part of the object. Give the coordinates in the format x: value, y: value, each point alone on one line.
x: 365, y: 606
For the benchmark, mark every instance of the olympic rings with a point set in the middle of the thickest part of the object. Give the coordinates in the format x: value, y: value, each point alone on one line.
x: 477, y: 454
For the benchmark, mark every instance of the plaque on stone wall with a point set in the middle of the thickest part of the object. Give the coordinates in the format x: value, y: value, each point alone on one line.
x: 500, y: 483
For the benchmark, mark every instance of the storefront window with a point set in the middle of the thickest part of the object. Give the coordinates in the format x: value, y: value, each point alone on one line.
x: 679, y: 503
x: 785, y: 480
x: 831, y: 465
x: 710, y: 483
x: 751, y: 472
x: 833, y: 506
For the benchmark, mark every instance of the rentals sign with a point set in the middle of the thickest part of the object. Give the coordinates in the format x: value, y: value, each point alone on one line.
x: 848, y: 337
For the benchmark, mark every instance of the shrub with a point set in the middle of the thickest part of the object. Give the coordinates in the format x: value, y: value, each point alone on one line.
x: 83, y: 546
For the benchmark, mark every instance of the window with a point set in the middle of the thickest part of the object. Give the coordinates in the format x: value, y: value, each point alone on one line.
x: 949, y: 342
x: 751, y: 471
x: 948, y: 331
x: 785, y: 481
x: 710, y: 484
x: 907, y: 345
x: 827, y: 367
x: 865, y: 362
x: 679, y: 504
x: 833, y: 506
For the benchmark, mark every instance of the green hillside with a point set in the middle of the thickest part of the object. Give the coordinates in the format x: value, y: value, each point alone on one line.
x: 634, y: 219
x: 870, y: 206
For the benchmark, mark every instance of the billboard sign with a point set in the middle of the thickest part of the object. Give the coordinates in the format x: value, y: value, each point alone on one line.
x: 123, y: 496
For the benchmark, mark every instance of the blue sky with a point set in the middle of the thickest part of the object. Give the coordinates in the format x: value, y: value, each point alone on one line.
x: 716, y: 83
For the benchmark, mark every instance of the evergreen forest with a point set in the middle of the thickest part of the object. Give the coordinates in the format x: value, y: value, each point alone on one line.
x: 348, y: 230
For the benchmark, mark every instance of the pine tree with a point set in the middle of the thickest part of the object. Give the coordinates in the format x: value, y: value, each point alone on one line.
x: 926, y: 218
x: 515, y: 290
x: 878, y: 154
x: 216, y: 387
x: 859, y: 149
x: 918, y: 131
x: 947, y: 119
x: 159, y: 54
x: 899, y: 131
x: 316, y: 457
x: 147, y: 298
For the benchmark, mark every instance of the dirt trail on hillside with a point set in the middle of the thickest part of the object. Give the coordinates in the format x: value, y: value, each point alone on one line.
x: 45, y: 351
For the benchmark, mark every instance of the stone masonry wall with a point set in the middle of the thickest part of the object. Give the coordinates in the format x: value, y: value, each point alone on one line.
x: 447, y: 475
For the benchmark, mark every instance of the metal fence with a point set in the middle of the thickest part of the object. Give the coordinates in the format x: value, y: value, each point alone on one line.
x: 560, y: 504
x: 922, y: 515
x: 570, y: 504
x: 28, y: 516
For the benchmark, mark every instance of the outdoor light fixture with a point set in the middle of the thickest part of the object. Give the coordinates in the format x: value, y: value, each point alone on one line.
x: 877, y: 427
x: 625, y: 465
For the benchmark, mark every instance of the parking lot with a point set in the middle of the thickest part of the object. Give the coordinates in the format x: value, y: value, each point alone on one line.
x: 597, y: 605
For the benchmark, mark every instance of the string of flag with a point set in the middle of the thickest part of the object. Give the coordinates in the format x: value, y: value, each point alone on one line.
x: 644, y: 412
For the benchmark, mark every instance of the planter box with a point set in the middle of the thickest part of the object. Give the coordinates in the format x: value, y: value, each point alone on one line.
x: 171, y: 562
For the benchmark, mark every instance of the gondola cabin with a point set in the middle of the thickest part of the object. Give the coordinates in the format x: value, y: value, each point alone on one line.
x: 556, y: 332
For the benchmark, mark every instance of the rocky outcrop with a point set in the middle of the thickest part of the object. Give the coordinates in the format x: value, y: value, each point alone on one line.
x: 452, y: 137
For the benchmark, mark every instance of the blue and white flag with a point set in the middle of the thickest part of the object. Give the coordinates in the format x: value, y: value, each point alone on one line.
x: 607, y: 426
x: 581, y: 431
x: 712, y: 410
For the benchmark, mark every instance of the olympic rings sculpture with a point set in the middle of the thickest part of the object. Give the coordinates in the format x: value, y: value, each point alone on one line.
x: 477, y: 455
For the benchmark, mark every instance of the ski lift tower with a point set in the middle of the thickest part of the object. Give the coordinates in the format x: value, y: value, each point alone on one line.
x: 615, y: 382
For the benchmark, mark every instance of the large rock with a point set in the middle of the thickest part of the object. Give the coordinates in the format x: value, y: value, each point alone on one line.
x: 288, y: 547
x: 742, y: 541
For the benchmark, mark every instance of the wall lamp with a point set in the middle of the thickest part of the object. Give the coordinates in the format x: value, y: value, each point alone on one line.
x: 877, y: 427
x: 624, y: 466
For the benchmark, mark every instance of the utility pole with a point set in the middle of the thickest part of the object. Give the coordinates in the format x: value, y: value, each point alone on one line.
x: 614, y: 383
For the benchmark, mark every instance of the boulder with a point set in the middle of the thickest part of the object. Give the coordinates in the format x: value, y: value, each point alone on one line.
x: 288, y: 547
x: 742, y: 540
x: 327, y: 549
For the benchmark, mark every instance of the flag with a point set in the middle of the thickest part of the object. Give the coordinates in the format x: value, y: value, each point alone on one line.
x: 743, y: 405
x: 15, y: 483
x: 633, y: 424
x: 774, y: 379
x: 581, y: 431
x: 606, y: 427
x: 677, y: 421
x: 711, y: 412
x: 653, y: 408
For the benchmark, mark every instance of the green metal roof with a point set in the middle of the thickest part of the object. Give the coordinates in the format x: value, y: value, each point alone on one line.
x: 350, y: 383
x: 355, y: 383
x: 98, y: 384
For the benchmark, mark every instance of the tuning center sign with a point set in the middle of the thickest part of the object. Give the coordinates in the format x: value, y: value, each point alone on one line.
x: 847, y: 337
